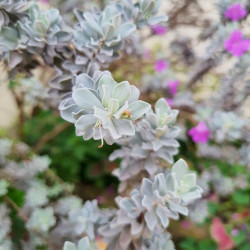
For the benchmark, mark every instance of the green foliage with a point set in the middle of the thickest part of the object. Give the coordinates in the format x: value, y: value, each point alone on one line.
x: 191, y: 244
x: 213, y: 208
x: 17, y: 195
x: 240, y: 238
x: 87, y: 162
x: 241, y: 197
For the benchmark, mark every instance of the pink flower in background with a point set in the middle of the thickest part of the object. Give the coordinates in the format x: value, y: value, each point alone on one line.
x: 200, y: 133
x: 235, y: 12
x: 161, y: 65
x: 44, y: 1
x: 235, y: 232
x: 100, y: 199
x: 170, y: 102
x: 219, y: 234
x: 236, y: 45
x: 147, y: 53
x: 235, y: 216
x: 173, y: 86
x: 159, y: 29
x: 185, y: 224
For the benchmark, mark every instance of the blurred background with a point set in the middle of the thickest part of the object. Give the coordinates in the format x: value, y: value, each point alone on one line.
x: 185, y: 62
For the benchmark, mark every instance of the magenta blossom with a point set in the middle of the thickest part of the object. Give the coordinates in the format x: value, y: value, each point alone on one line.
x: 235, y: 12
x: 170, y: 102
x: 173, y: 86
x: 235, y: 232
x: 147, y: 53
x: 200, y: 133
x: 219, y: 234
x: 159, y: 29
x: 185, y: 224
x: 236, y: 45
x: 161, y: 65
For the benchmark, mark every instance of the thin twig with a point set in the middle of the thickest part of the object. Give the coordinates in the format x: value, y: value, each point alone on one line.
x: 25, y: 219
x: 49, y: 136
x: 51, y: 175
x: 16, y: 208
x: 19, y: 103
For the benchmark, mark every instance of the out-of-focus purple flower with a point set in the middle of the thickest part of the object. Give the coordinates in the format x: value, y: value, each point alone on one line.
x: 243, y: 226
x: 235, y: 216
x: 100, y: 199
x: 161, y: 65
x: 200, y: 133
x: 170, y: 102
x: 235, y: 12
x: 173, y: 86
x: 159, y: 29
x: 235, y: 232
x: 236, y: 45
x: 44, y: 1
x: 146, y: 53
x: 185, y: 224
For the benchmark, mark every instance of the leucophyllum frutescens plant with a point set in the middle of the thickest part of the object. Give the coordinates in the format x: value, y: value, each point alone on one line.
x: 152, y: 192
x: 103, y: 109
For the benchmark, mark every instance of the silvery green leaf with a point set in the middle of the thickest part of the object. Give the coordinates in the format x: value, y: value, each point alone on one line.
x: 166, y: 154
x: 109, y: 31
x: 136, y: 228
x: 92, y: 23
x: 86, y: 99
x: 40, y: 27
x: 127, y: 205
x: 83, y: 80
x: 69, y: 246
x: 138, y: 109
x: 157, y: 20
x: 84, y: 244
x: 188, y: 180
x: 113, y: 105
x: 180, y: 168
x: 106, y: 80
x: 41, y: 219
x: 67, y: 113
x: 121, y: 92
x: 161, y: 107
x: 171, y: 182
x: 100, y: 107
x: 37, y: 194
x: 8, y: 39
x: 151, y: 220
x: 150, y: 165
x: 124, y: 127
x: 126, y: 29
x: 178, y: 208
x: 121, y: 111
x: 135, y: 93
x: 193, y: 194
x: 162, y: 184
x: 5, y: 228
x: 106, y: 122
x: 85, y: 122
x: 3, y: 187
x: 15, y: 9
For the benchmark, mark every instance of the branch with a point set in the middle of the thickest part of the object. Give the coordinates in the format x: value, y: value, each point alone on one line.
x: 24, y: 218
x: 49, y: 136
x: 51, y: 175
